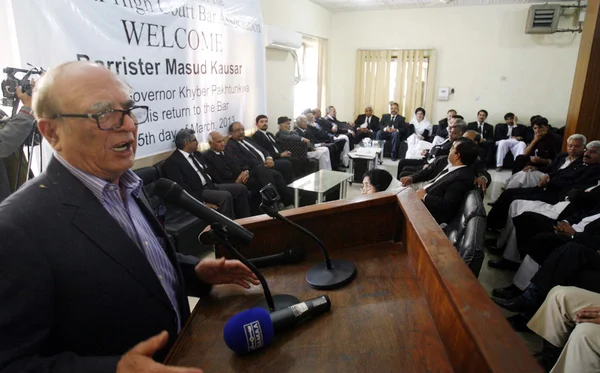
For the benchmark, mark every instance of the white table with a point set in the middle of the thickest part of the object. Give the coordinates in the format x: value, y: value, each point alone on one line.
x: 321, y: 182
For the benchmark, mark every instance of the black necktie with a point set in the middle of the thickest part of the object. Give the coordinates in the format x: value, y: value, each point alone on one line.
x: 252, y: 151
x: 393, y: 118
x: 481, y: 128
x: 209, y: 182
x: 444, y: 172
x: 368, y: 121
x: 273, y: 142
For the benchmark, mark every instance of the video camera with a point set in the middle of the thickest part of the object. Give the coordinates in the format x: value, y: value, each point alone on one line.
x: 10, y: 84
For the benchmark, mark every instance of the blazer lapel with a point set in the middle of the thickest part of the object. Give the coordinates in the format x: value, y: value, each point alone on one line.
x: 92, y: 219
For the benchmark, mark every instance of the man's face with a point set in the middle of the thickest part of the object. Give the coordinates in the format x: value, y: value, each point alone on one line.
x: 317, y: 113
x: 310, y: 118
x: 263, y: 124
x: 218, y: 142
x: 454, y: 157
x: 302, y: 123
x: 450, y: 115
x: 591, y: 156
x: 481, y: 117
x: 540, y: 130
x: 394, y: 109
x: 285, y: 126
x: 451, y: 122
x: 510, y: 121
x: 368, y: 111
x: 191, y: 146
x: 575, y: 148
x: 332, y: 112
x: 237, y: 132
x: 90, y: 89
x: 420, y: 116
x: 455, y: 133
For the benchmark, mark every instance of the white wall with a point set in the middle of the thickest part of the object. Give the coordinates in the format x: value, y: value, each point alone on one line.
x: 475, y: 46
x: 302, y: 16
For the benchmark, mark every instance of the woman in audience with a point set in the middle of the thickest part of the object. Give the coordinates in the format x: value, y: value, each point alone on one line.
x: 377, y: 180
x: 420, y: 129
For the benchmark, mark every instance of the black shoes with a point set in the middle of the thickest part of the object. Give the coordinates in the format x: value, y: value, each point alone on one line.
x: 519, y: 323
x: 548, y: 356
x: 503, y: 264
x: 526, y: 303
x: 508, y: 292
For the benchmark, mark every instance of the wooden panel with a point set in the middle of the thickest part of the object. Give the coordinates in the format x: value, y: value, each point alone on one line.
x: 476, y: 334
x: 339, y: 224
x: 378, y: 323
x: 584, y: 107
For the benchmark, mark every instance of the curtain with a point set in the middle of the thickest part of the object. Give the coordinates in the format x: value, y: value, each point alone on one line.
x: 322, y: 73
x: 404, y: 76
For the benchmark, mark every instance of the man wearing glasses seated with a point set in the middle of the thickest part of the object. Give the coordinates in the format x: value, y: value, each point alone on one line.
x: 87, y: 270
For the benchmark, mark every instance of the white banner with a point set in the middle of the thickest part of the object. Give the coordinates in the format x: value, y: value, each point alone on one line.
x: 196, y: 63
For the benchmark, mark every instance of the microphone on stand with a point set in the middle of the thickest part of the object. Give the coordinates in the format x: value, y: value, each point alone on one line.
x: 288, y: 256
x: 328, y: 275
x: 255, y: 328
x: 221, y: 228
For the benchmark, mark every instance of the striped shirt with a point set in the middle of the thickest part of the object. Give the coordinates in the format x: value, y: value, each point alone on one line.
x: 128, y: 215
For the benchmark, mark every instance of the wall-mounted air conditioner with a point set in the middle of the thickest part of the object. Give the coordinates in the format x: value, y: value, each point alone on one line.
x: 542, y: 19
x: 278, y: 38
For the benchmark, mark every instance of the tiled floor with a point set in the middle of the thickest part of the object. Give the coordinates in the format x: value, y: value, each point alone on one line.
x: 488, y: 277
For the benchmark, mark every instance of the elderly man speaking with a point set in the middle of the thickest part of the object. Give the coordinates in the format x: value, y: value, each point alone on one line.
x: 87, y: 270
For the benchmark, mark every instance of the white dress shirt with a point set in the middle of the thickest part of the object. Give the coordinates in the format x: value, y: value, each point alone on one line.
x: 247, y: 145
x: 189, y: 159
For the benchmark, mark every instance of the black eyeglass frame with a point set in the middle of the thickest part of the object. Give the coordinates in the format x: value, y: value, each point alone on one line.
x: 97, y: 116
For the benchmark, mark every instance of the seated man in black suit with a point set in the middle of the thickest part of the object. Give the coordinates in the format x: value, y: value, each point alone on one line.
x: 486, y: 130
x: 441, y: 132
x: 331, y: 124
x: 186, y: 167
x: 319, y: 136
x: 267, y: 141
x: 88, y: 270
x: 443, y: 195
x: 367, y: 125
x: 483, y: 178
x: 509, y: 137
x: 247, y: 153
x: 542, y: 149
x: 393, y: 127
x: 409, y: 166
x: 319, y: 154
x: 223, y: 168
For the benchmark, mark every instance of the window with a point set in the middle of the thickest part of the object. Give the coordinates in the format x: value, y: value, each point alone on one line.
x: 306, y: 91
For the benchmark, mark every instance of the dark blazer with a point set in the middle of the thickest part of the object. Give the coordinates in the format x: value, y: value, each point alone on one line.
x: 442, y: 129
x: 558, y: 161
x: 223, y: 169
x: 373, y: 125
x: 262, y: 140
x: 488, y: 130
x: 315, y: 135
x: 501, y: 131
x: 178, y: 169
x: 399, y: 123
x: 343, y: 127
x: 77, y: 292
x: 440, y: 150
x: 242, y: 157
x: 444, y: 197
x: 431, y: 171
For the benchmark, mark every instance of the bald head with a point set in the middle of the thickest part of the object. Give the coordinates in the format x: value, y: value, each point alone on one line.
x: 216, y: 141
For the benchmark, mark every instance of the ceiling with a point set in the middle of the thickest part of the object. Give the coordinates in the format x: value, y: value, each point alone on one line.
x: 358, y: 5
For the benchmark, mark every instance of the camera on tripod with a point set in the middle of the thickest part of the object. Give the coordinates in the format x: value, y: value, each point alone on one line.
x: 10, y: 84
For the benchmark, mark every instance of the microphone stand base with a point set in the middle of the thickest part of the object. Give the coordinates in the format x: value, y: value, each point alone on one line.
x: 340, y: 274
x: 281, y: 301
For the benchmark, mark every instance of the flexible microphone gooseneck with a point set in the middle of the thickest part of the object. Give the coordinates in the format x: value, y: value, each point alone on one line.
x: 221, y: 228
x: 255, y: 328
x: 328, y: 275
x: 288, y: 256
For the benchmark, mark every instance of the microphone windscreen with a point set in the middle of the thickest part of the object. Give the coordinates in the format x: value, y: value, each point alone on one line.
x: 248, y: 331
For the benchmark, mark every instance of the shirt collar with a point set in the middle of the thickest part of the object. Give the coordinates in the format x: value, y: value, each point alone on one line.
x: 185, y: 154
x: 129, y: 181
x: 216, y: 152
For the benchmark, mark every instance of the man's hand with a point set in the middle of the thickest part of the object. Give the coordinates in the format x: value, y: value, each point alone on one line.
x: 221, y: 271
x: 242, y: 177
x: 540, y: 160
x: 307, y: 141
x: 212, y: 206
x: 516, y: 120
x: 590, y: 314
x: 139, y: 358
x: 544, y: 181
x: 421, y: 193
x: 334, y: 129
x: 538, y: 136
x: 269, y: 163
x: 352, y: 124
x: 406, y: 180
x: 529, y: 168
x: 286, y: 154
x: 481, y: 183
x: 564, y: 229
x: 24, y: 97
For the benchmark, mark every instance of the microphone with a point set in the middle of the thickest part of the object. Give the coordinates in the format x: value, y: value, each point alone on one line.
x: 327, y: 275
x: 171, y: 192
x: 289, y: 256
x: 221, y: 227
x: 255, y: 328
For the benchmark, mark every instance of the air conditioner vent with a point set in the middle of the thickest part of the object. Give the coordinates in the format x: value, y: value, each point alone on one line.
x: 542, y: 19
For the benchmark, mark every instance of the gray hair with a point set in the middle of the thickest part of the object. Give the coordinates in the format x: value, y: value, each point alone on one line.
x: 578, y: 136
x: 307, y: 111
x: 211, y: 136
x: 184, y: 136
x: 462, y: 125
x: 301, y: 118
x: 370, y: 107
x: 593, y: 144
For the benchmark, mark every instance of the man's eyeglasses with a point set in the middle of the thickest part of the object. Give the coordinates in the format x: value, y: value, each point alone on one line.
x: 109, y: 120
x: 592, y: 151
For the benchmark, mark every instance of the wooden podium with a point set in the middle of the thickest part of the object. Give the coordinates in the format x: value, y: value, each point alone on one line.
x: 414, y: 306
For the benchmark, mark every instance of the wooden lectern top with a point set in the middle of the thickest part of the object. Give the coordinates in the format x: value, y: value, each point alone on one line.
x: 414, y: 306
